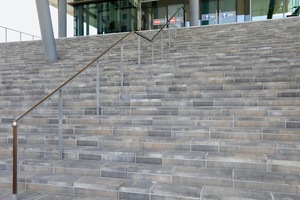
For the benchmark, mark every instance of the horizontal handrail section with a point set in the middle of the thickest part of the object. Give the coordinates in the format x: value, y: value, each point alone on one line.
x: 20, y: 33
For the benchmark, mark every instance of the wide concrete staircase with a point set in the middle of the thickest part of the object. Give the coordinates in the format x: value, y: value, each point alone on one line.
x: 216, y: 118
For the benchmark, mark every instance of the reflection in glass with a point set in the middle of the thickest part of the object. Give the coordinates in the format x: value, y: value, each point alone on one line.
x: 105, y: 17
x: 272, y: 9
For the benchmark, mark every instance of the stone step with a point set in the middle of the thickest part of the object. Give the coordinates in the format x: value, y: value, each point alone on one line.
x: 117, y: 163
x: 165, y: 177
x: 192, y: 144
x: 148, y: 190
x: 214, y: 120
x: 168, y: 161
x: 47, y: 134
x: 198, y: 175
x: 48, y: 196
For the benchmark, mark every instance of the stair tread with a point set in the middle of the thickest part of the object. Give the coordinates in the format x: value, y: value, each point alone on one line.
x: 219, y: 120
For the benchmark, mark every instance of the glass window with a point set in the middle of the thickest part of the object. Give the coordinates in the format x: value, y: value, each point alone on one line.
x: 272, y: 9
x: 105, y: 17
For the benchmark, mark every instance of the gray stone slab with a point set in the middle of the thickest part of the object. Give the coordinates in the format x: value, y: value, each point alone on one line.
x: 280, y: 196
x: 165, y: 143
x: 155, y: 173
x: 278, y: 134
x: 37, y: 165
x: 79, y: 167
x: 184, y: 158
x: 237, y: 161
x: 248, y: 147
x: 135, y: 190
x: 278, y: 182
x: 289, y: 148
x: 283, y: 164
x: 98, y: 183
x: 115, y: 170
x: 218, y: 193
x: 51, y: 179
x: 198, y: 176
x: 119, y: 155
x: 206, y: 145
x: 175, y: 191
x: 5, y: 194
x: 236, y: 133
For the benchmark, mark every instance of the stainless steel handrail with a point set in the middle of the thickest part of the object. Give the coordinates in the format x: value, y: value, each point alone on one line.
x: 20, y: 32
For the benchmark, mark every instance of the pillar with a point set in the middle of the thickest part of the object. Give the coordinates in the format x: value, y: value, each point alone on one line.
x: 46, y: 30
x: 62, y: 18
x: 194, y: 12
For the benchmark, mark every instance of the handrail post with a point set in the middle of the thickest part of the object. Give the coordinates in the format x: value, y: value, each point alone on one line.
x: 97, y: 89
x: 60, y: 125
x: 162, y: 45
x: 5, y: 34
x: 170, y: 36
x: 15, y: 161
x: 139, y: 50
x: 122, y: 65
x: 152, y: 43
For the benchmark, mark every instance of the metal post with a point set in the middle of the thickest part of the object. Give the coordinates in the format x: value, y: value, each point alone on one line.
x: 139, y: 50
x: 15, y: 161
x: 122, y: 65
x: 97, y: 89
x: 20, y: 36
x: 5, y: 34
x: 152, y: 43
x: 175, y: 32
x: 60, y: 125
x: 162, y: 45
x: 170, y: 36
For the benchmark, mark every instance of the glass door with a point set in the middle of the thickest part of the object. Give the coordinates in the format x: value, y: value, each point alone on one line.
x: 218, y: 11
x: 178, y: 18
x: 209, y: 12
x: 227, y: 11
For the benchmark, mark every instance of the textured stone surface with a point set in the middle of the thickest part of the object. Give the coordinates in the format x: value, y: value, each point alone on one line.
x: 217, y: 118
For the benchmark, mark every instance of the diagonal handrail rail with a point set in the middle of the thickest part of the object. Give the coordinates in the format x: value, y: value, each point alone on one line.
x: 70, y: 79
x: 15, y: 122
x: 150, y: 40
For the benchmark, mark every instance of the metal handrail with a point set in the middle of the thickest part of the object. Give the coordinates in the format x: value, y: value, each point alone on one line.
x: 150, y: 40
x: 20, y: 32
x: 59, y: 89
x: 15, y: 122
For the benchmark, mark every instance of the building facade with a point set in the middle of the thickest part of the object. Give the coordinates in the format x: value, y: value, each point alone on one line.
x: 110, y: 16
